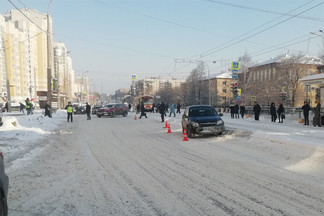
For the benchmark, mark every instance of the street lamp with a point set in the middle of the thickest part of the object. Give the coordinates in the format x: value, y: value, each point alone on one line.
x: 49, y: 63
x: 209, y: 88
x: 81, y: 85
x: 314, y: 33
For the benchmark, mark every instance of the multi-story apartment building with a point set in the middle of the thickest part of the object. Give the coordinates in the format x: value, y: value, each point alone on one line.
x: 150, y: 86
x: 220, y: 93
x: 3, y: 71
x: 70, y: 78
x: 26, y: 51
x: 29, y: 65
x: 61, y: 73
x: 81, y: 89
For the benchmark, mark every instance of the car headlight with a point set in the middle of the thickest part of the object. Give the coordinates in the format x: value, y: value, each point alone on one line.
x: 220, y: 122
x: 195, y: 124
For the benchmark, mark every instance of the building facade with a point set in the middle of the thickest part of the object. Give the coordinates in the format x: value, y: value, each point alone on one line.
x: 278, y: 80
x: 30, y: 67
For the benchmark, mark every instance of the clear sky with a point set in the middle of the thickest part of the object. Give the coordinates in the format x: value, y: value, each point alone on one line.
x: 113, y: 39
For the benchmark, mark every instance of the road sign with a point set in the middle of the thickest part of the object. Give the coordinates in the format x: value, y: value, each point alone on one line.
x: 253, y: 98
x: 234, y: 76
x: 239, y: 92
x: 238, y: 97
x: 134, y: 77
x: 235, y: 65
x: 234, y: 71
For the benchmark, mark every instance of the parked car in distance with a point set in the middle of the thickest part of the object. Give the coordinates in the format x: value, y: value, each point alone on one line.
x: 79, y: 110
x: 95, y: 109
x: 113, y: 110
x: 4, y: 184
x: 202, y: 119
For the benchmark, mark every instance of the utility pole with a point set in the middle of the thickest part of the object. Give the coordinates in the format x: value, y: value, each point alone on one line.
x: 49, y: 62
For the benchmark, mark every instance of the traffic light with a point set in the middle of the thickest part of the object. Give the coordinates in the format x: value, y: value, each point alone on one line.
x: 283, y: 95
x: 235, y: 87
x: 232, y: 86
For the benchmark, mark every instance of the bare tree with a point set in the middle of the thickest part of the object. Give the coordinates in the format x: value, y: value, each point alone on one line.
x: 196, y: 87
x: 293, y: 69
x: 170, y: 95
x: 245, y: 63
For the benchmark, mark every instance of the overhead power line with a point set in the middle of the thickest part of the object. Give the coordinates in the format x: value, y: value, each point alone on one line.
x: 254, y: 34
x: 263, y: 10
x: 26, y: 16
x: 22, y: 41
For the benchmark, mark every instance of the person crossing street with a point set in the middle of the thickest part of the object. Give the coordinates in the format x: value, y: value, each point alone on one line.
x: 88, y: 110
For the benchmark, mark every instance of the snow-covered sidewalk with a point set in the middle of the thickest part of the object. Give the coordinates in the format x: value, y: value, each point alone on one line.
x: 20, y: 132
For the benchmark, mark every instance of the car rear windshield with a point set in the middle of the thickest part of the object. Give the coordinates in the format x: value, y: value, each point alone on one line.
x: 195, y: 112
x: 109, y: 105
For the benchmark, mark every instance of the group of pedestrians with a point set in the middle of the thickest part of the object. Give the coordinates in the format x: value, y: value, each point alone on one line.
x: 237, y: 110
x: 278, y: 112
x: 274, y: 111
x: 161, y: 108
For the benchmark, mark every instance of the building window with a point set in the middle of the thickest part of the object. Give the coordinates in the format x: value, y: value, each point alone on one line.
x: 224, y: 90
x: 224, y: 82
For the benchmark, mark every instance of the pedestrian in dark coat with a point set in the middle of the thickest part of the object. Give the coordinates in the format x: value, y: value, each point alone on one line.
x: 236, y: 111
x: 129, y: 106
x: 232, y: 111
x: 317, y: 115
x: 6, y: 106
x: 162, y: 111
x: 306, y: 108
x: 88, y: 110
x: 242, y: 110
x: 22, y: 107
x: 273, y: 112
x: 257, y: 111
x: 142, y: 110
x: 178, y: 108
x: 138, y: 107
x: 153, y: 107
x: 280, y: 112
x: 48, y: 110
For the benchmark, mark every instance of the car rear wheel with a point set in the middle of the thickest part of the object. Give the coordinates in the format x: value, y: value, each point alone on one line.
x: 189, y: 133
x: 125, y: 114
x: 99, y: 116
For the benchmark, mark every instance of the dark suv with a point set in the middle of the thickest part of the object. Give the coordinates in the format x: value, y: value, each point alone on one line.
x: 112, y: 110
x: 202, y: 119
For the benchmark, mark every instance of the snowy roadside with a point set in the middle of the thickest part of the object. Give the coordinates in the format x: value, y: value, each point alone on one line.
x: 20, y: 133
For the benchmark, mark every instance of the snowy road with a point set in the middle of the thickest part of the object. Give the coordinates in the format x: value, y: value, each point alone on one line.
x: 119, y: 166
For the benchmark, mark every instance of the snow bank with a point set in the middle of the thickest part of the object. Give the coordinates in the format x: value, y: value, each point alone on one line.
x: 20, y: 132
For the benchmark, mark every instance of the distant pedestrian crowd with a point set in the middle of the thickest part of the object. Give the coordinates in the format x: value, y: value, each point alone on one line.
x: 279, y: 112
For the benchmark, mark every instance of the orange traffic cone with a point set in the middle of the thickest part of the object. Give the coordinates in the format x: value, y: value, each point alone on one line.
x: 185, y: 138
x: 135, y: 117
x: 169, y: 129
x: 166, y: 124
